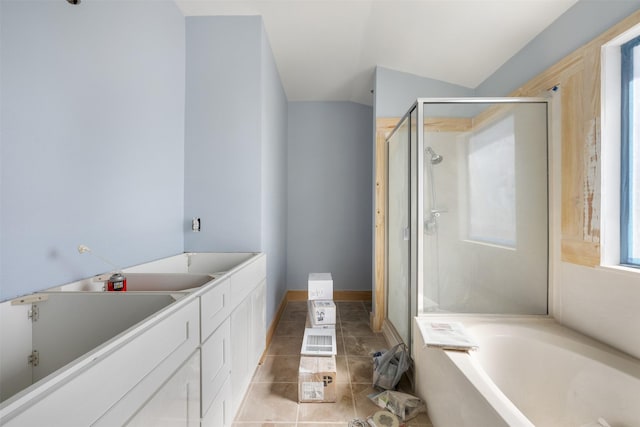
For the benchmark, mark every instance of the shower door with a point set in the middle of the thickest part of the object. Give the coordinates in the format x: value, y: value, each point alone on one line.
x: 399, y: 230
x: 485, y: 211
x: 467, y: 209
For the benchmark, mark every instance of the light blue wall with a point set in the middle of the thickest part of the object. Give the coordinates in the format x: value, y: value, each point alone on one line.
x: 329, y: 198
x: 274, y: 178
x: 223, y: 166
x: 235, y: 144
x: 583, y: 22
x: 92, y: 138
x: 395, y: 91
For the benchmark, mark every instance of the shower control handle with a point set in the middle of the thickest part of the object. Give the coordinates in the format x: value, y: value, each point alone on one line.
x: 436, y: 212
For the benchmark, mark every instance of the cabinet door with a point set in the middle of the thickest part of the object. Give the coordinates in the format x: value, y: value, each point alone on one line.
x: 220, y: 413
x: 216, y: 363
x: 258, y: 324
x: 240, y: 336
x: 177, y: 403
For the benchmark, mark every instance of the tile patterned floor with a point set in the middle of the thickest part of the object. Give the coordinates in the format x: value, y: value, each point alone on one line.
x: 272, y: 398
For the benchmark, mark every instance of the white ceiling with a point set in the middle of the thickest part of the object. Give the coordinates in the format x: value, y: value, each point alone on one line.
x: 326, y: 50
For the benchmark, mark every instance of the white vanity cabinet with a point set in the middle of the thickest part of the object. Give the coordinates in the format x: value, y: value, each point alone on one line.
x: 233, y: 324
x: 177, y: 349
x: 232, y: 353
x: 111, y: 383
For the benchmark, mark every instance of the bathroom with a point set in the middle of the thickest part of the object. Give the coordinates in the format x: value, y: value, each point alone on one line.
x: 104, y: 119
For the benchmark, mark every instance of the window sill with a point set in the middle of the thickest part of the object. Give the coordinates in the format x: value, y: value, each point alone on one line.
x: 627, y: 271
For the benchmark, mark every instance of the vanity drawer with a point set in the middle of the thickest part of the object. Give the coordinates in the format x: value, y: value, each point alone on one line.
x: 216, y: 363
x: 176, y: 403
x: 215, y: 306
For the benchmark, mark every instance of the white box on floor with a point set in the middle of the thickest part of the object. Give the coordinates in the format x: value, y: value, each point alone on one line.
x: 320, y: 286
x: 322, y: 313
x: 317, y: 379
x: 319, y: 342
x: 308, y: 324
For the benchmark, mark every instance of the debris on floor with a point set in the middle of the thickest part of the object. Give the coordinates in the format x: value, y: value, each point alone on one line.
x: 404, y: 405
x: 378, y: 419
x: 388, y: 366
x: 383, y: 419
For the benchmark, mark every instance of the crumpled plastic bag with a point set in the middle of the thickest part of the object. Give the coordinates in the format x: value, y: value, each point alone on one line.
x: 388, y: 366
x: 403, y: 405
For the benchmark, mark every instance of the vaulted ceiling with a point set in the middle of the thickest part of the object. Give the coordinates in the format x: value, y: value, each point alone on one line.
x: 327, y: 50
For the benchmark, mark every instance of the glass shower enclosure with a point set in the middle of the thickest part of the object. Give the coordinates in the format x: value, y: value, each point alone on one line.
x: 467, y: 213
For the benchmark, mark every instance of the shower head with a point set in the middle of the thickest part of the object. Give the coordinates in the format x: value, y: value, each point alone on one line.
x: 435, y: 158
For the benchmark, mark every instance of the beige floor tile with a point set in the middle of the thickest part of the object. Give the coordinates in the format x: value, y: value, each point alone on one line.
x: 242, y: 424
x: 323, y: 424
x: 364, y: 345
x: 294, y: 316
x: 284, y: 346
x: 340, y: 345
x: 340, y: 411
x: 278, y: 369
x: 343, y: 371
x: 345, y: 306
x: 269, y: 402
x: 364, y: 406
x: 421, y: 420
x: 351, y: 315
x: 360, y: 369
x: 297, y: 305
x: 289, y: 329
x: 355, y: 328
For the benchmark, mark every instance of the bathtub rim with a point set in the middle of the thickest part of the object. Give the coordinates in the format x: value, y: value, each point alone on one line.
x: 590, y: 347
x: 475, y: 373
x: 551, y: 333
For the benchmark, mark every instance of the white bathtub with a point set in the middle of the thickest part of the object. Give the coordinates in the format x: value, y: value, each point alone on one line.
x: 528, y: 371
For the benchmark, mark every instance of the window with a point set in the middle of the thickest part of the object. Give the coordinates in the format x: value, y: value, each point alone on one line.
x: 630, y: 154
x: 492, y: 184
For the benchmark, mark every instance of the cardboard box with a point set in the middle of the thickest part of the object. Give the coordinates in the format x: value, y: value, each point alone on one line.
x: 320, y: 286
x: 319, y: 342
x: 322, y: 313
x: 317, y: 379
x: 308, y: 324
